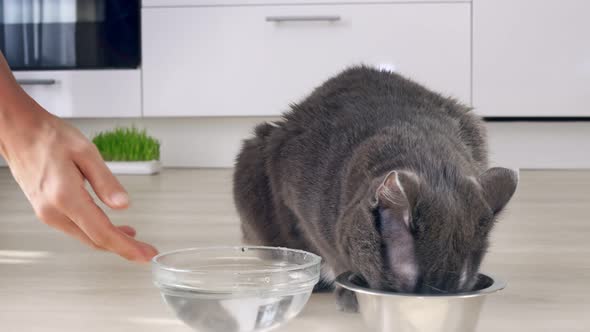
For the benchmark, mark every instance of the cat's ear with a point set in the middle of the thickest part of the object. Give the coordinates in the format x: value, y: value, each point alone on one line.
x: 395, y: 198
x: 398, y: 193
x: 498, y: 184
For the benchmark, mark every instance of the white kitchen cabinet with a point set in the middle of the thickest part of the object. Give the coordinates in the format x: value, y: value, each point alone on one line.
x: 177, y: 3
x: 531, y: 58
x: 237, y: 61
x: 85, y: 93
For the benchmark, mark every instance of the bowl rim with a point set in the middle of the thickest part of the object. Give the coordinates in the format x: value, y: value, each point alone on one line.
x: 343, y: 280
x: 156, y: 260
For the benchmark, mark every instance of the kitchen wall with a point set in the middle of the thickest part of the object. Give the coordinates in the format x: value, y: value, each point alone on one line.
x: 214, y: 142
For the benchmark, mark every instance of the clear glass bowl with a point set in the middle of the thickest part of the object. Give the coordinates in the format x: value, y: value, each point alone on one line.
x: 236, y: 289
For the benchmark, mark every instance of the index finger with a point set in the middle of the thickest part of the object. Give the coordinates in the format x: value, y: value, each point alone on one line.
x: 97, y: 226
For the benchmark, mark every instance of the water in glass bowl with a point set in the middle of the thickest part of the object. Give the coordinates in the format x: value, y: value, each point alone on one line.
x: 222, y: 312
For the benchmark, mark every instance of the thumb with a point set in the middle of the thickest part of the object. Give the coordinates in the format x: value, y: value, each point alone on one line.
x: 103, y: 182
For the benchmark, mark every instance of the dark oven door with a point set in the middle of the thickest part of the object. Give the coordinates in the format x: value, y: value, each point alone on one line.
x: 70, y: 34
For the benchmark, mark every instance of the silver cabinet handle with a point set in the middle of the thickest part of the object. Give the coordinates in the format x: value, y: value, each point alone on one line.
x: 327, y: 18
x: 49, y: 81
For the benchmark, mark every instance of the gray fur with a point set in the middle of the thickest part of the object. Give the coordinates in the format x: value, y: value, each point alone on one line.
x: 379, y: 176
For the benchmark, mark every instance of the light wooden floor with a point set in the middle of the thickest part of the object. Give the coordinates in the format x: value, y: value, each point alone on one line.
x: 51, y: 283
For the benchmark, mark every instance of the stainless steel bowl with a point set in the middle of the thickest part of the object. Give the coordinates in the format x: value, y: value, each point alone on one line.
x: 405, y: 312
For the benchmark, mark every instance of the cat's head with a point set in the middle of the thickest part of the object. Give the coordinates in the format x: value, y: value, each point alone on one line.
x: 431, y: 237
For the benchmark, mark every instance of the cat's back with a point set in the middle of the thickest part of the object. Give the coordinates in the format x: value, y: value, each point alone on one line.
x: 363, y: 94
x: 307, y: 154
x: 362, y: 100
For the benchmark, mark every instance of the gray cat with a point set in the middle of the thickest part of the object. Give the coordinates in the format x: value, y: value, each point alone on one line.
x: 379, y: 176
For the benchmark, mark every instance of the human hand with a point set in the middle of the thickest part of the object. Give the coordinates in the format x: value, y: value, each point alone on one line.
x: 51, y: 160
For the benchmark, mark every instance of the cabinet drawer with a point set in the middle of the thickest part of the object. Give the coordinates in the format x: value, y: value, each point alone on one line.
x: 234, y: 61
x: 85, y: 94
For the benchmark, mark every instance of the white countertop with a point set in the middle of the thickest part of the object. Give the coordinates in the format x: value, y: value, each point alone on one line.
x: 51, y: 283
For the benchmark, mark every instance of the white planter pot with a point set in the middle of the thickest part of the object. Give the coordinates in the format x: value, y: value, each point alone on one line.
x: 135, y: 167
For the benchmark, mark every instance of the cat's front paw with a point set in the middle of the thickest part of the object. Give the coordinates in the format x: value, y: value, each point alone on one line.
x: 346, y: 300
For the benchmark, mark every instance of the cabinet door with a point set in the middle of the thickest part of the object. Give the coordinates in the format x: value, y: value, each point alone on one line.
x: 85, y: 93
x: 531, y: 58
x: 196, y: 3
x: 249, y: 61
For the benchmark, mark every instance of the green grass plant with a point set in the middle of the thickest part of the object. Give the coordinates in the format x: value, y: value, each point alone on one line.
x: 127, y: 144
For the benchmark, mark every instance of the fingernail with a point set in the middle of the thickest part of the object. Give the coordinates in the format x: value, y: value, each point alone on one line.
x: 148, y: 251
x: 120, y: 199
